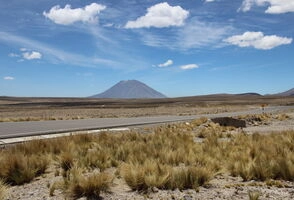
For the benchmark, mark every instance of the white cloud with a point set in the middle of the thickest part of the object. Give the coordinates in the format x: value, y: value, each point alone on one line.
x: 32, y: 55
x: 195, y: 34
x: 67, y: 15
x: 166, y: 64
x: 209, y: 0
x: 23, y: 49
x: 274, y: 6
x: 56, y: 55
x: 26, y: 54
x: 8, y: 78
x: 258, y: 40
x: 160, y: 15
x: 189, y: 66
x: 13, y: 55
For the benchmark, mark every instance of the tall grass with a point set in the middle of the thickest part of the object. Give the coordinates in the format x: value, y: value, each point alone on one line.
x: 3, y: 190
x: 17, y: 169
x: 89, y: 186
x: 260, y: 157
x: 167, y: 158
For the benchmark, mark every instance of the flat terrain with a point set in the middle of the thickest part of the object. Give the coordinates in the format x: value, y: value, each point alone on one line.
x: 35, y: 109
x: 33, y: 128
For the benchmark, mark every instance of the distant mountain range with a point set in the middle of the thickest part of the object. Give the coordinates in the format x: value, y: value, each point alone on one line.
x: 130, y: 89
x: 133, y: 89
x: 287, y: 93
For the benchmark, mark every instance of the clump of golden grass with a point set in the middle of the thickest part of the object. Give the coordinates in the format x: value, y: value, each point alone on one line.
x: 17, y: 169
x: 90, y: 185
x: 153, y: 174
x: 189, y: 177
x: 260, y: 157
x: 142, y: 177
x: 66, y: 160
x: 254, y: 195
x: 3, y: 190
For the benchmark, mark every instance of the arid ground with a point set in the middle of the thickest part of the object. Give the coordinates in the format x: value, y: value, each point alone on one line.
x: 150, y: 162
x: 30, y: 109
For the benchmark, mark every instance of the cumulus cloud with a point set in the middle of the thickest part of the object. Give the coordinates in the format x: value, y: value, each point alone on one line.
x: 26, y: 54
x: 274, y: 6
x: 32, y: 55
x: 258, y: 40
x: 160, y: 15
x: 67, y: 15
x: 209, y: 0
x: 166, y: 64
x: 8, y: 78
x: 189, y: 66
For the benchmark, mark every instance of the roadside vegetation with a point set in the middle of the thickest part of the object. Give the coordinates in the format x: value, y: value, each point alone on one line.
x: 3, y: 190
x: 176, y: 156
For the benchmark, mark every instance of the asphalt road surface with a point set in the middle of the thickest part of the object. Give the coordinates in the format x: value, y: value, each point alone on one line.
x: 23, y: 129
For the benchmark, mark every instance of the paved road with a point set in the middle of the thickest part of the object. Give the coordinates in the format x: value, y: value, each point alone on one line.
x: 22, y: 129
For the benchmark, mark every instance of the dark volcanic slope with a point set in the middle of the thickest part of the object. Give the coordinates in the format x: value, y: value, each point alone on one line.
x: 130, y: 89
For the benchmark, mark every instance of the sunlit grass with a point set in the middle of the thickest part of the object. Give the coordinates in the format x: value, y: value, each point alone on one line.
x: 3, y: 190
x: 166, y: 158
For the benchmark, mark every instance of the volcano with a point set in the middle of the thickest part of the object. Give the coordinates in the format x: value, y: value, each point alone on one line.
x: 130, y: 89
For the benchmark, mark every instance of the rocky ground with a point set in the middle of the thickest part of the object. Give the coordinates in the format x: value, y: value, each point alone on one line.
x: 222, y: 186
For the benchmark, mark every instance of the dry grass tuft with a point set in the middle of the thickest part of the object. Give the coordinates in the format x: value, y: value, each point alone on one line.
x: 188, y: 177
x: 3, y: 190
x: 17, y: 169
x: 89, y: 186
x: 66, y: 160
x: 254, y: 195
x: 143, y: 177
x: 262, y: 157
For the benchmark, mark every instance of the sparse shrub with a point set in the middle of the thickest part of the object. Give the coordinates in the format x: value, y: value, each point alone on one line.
x: 98, y: 158
x: 89, y: 186
x: 262, y: 157
x: 66, y: 160
x: 143, y: 177
x: 188, y: 177
x: 153, y: 174
x: 17, y: 169
x: 52, y: 188
x: 133, y: 174
x: 254, y: 195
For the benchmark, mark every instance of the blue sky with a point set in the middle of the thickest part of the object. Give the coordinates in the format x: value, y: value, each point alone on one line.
x: 77, y: 48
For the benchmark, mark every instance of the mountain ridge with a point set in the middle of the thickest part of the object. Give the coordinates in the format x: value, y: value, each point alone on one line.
x: 286, y: 93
